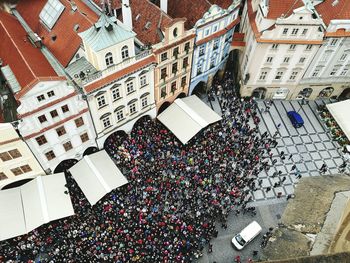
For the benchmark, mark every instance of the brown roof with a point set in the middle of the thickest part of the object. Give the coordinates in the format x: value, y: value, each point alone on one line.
x: 67, y: 40
x: 115, y: 4
x: 144, y: 12
x: 277, y: 8
x: 330, y: 12
x: 27, y: 62
x: 222, y: 3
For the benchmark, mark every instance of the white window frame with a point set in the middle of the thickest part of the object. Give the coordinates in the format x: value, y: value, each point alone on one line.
x: 274, y: 46
x: 285, y: 31
x: 143, y: 80
x: 101, y: 101
x: 302, y: 60
x: 109, y: 59
x: 132, y: 108
x: 286, y: 60
x: 106, y: 122
x: 263, y: 75
x: 128, y: 85
x: 333, y: 42
x: 125, y: 52
x: 293, y: 75
x: 316, y: 72
x: 343, y: 57
x: 120, y: 115
x: 279, y: 75
x: 144, y: 102
x: 344, y: 72
x: 295, y: 31
x: 116, y: 93
x: 269, y: 59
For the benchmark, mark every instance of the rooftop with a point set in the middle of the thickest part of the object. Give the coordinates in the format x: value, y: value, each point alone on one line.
x: 277, y: 8
x: 330, y: 11
x: 62, y: 40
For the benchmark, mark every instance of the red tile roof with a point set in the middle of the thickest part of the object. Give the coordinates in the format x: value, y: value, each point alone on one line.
x: 67, y: 40
x: 277, y: 8
x: 330, y: 12
x: 27, y: 62
x: 143, y: 12
x: 222, y: 3
x: 115, y: 4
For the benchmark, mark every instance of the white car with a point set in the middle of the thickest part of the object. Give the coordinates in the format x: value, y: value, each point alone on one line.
x: 246, y: 235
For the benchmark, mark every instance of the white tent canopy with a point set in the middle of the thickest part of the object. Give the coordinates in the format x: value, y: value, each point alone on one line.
x: 186, y: 117
x: 33, y: 204
x: 97, y: 175
x: 340, y: 112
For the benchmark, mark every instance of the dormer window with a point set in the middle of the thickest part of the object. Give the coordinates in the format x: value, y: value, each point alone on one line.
x: 125, y: 52
x: 109, y: 59
x: 51, y: 12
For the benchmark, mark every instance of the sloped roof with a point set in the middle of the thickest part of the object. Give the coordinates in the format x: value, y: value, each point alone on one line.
x: 277, y: 8
x: 329, y: 12
x: 146, y: 13
x: 222, y: 3
x: 105, y: 33
x: 115, y: 4
x: 26, y: 62
x: 66, y: 41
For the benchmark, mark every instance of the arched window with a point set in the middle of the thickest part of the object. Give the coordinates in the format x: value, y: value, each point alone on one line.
x: 109, y: 59
x: 125, y: 52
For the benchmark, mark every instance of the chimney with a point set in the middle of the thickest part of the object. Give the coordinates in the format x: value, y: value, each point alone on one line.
x: 126, y: 12
x: 164, y: 5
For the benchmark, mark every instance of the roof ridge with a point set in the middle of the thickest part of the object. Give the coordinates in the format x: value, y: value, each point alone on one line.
x: 161, y: 11
x: 81, y: 2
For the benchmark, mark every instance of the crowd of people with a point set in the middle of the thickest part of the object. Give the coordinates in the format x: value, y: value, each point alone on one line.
x: 176, y: 193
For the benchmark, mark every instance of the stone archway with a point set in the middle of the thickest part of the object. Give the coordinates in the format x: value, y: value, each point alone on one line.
x: 200, y: 89
x: 163, y: 107
x: 65, y: 165
x: 90, y: 150
x: 259, y: 93
x: 16, y: 184
x: 305, y: 93
x: 181, y: 95
x: 114, y: 140
x: 345, y: 94
x: 325, y: 93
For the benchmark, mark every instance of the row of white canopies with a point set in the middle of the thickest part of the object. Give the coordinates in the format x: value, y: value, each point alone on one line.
x: 46, y: 198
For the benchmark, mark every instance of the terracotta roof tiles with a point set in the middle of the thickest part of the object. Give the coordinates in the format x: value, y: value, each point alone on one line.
x: 67, y: 41
x: 222, y: 3
x: 277, y: 8
x: 329, y: 12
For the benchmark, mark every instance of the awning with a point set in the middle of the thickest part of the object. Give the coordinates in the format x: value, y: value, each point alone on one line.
x: 340, y: 112
x: 187, y: 116
x: 33, y: 204
x: 97, y: 175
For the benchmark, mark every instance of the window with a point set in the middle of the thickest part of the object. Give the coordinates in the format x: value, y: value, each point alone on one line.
x: 185, y: 62
x: 144, y: 102
x: 216, y: 44
x: 51, y: 12
x: 212, y: 62
x: 325, y: 57
x: 5, y: 156
x: 274, y: 46
x: 286, y: 60
x: 269, y: 59
x: 26, y: 168
x: 343, y: 57
x: 334, y: 42
x: 54, y: 113
x: 308, y: 47
x: 65, y: 108
x: 293, y: 75
x: 173, y: 87
x: 129, y: 87
x: 15, y: 153
x: 176, y: 51
x: 109, y: 59
x: 116, y: 93
x: 61, y: 131
x: 175, y: 32
x: 101, y: 101
x: 279, y: 75
x: 16, y: 171
x: 79, y: 122
x: 67, y: 146
x: 302, y: 60
x: 187, y: 46
x: 41, y: 140
x: 164, y: 56
x: 42, y: 118
x: 120, y: 115
x: 50, y: 155
x: 316, y: 72
x: 125, y: 52
x: 344, y: 72
x: 163, y: 73
x: 215, y: 28
x: 304, y: 32
x: 292, y: 47
x: 201, y: 50
x: 51, y: 93
x: 132, y: 108
x: 2, y: 176
x: 183, y: 81
x: 174, y: 68
x: 285, y: 31
x: 84, y: 137
x: 143, y: 81
x: 333, y: 72
x: 40, y: 97
x: 199, y: 69
x: 263, y: 75
x: 206, y: 32
x: 295, y: 31
x: 106, y: 122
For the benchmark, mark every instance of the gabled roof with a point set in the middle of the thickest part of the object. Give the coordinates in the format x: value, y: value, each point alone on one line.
x: 148, y: 20
x: 341, y: 10
x: 277, y: 8
x: 105, y: 33
x: 27, y: 63
x: 63, y: 40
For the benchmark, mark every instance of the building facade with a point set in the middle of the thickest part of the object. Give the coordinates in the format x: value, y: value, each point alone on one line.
x: 16, y: 160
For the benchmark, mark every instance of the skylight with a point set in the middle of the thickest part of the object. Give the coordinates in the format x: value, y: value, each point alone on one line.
x: 51, y: 12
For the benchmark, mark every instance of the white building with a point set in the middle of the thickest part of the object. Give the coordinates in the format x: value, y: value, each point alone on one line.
x: 281, y: 42
x: 121, y: 89
x: 16, y: 160
x: 53, y: 119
